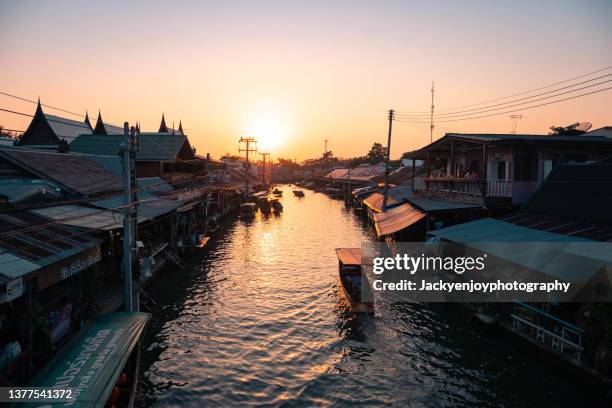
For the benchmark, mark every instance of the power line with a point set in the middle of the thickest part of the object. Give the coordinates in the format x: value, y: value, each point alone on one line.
x: 523, y: 103
x: 484, y: 109
x: 517, y: 110
x: 517, y: 94
x: 35, y: 102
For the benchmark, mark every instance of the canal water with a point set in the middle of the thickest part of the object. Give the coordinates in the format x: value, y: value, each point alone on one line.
x: 258, y: 321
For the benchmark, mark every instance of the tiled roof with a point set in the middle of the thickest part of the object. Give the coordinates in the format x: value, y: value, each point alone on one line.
x: 73, y: 172
x: 67, y: 129
x: 152, y: 146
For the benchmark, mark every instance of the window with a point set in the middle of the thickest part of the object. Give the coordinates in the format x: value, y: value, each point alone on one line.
x: 526, y: 167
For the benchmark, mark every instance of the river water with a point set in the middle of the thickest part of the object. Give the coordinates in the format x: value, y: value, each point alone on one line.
x: 258, y: 321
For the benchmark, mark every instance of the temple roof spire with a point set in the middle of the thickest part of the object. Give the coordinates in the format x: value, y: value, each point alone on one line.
x: 162, y: 127
x: 87, y: 122
x: 180, y: 129
x: 100, y: 129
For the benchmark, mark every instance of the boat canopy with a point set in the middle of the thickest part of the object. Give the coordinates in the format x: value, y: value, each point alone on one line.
x: 396, y: 219
x: 92, y: 362
x: 349, y: 256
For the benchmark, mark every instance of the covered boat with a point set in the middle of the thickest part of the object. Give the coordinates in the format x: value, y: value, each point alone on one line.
x: 99, y: 365
x: 276, y: 205
x: 354, y: 284
x: 248, y: 210
x: 277, y: 192
x: 298, y: 193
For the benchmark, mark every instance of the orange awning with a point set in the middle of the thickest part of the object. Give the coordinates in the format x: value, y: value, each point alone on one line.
x: 396, y: 219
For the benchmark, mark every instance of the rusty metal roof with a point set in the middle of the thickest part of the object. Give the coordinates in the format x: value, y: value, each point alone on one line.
x: 76, y: 173
x: 396, y: 219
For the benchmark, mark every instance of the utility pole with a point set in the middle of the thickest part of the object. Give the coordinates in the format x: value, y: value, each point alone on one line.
x: 325, y: 146
x: 263, y: 173
x: 248, y: 142
x: 386, y: 193
x: 515, y: 119
x: 431, y: 124
x: 129, y: 148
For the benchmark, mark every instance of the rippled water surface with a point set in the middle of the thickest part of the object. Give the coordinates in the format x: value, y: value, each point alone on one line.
x: 258, y: 321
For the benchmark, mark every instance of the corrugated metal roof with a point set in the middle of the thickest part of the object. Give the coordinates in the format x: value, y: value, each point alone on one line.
x: 444, y: 142
x: 529, y: 138
x: 430, y: 205
x: 13, y: 266
x: 151, y: 204
x: 20, y: 189
x: 492, y: 230
x: 152, y: 147
x: 42, y: 246
x: 559, y: 225
x: 73, y: 172
x: 397, y: 195
x: 358, y: 173
x: 83, y: 217
x: 396, y: 219
x: 67, y: 129
x: 575, y: 259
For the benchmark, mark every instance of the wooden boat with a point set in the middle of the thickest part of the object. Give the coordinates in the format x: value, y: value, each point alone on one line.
x: 334, y: 192
x: 353, y: 283
x: 151, y: 263
x: 277, y: 192
x: 248, y: 210
x: 276, y: 205
x: 298, y: 193
x: 194, y: 243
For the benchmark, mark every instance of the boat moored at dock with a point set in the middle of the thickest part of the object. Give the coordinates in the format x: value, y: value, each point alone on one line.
x: 248, y: 210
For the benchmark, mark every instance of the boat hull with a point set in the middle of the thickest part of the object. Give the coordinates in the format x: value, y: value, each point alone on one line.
x: 356, y: 305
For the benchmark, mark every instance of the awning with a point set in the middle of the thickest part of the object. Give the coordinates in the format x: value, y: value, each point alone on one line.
x: 349, y: 256
x: 31, y: 245
x: 93, y: 361
x: 397, y: 195
x: 396, y: 219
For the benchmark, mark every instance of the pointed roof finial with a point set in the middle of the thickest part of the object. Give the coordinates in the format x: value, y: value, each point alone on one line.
x: 180, y: 129
x: 100, y: 129
x: 162, y: 126
x: 39, y: 110
x: 86, y: 121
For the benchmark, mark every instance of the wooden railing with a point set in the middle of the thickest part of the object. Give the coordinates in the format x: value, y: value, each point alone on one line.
x: 471, y: 187
x: 567, y: 341
x: 499, y: 188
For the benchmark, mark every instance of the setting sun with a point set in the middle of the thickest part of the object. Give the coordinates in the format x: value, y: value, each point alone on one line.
x: 270, y: 131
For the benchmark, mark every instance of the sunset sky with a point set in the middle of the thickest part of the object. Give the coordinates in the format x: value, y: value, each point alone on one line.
x: 296, y: 73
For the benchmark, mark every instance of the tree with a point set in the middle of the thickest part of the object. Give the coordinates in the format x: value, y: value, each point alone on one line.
x: 376, y: 154
x: 569, y: 130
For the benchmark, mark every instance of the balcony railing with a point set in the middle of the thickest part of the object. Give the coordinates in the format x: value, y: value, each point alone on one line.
x: 470, y: 187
